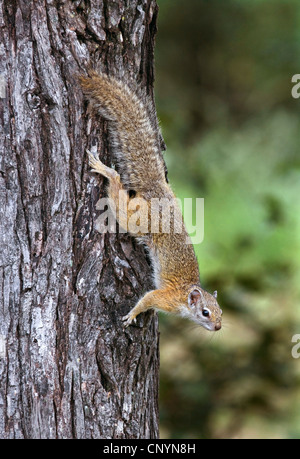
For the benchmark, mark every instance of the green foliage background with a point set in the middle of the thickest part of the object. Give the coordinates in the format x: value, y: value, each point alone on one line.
x: 223, y: 88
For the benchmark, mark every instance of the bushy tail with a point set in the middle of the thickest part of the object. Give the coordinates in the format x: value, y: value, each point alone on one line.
x: 134, y: 138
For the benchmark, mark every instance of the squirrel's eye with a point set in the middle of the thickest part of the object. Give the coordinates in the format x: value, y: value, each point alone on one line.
x: 205, y: 313
x: 132, y: 194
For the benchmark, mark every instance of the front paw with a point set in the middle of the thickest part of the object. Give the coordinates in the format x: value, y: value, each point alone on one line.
x: 94, y: 162
x: 128, y: 319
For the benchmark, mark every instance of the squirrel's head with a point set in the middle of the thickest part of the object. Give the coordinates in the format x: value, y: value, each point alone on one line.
x: 203, y: 309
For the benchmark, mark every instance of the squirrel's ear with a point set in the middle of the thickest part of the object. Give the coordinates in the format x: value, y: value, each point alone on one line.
x: 194, y: 297
x: 215, y: 294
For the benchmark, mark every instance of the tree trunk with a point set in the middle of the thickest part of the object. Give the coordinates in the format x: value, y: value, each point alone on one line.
x: 67, y: 367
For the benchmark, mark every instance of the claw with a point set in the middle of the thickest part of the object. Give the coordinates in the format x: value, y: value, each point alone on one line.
x: 92, y: 159
x: 128, y: 319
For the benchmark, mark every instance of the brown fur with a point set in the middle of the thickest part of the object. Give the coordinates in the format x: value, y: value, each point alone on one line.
x: 136, y: 149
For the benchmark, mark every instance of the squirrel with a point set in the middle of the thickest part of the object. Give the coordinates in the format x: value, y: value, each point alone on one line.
x: 135, y: 142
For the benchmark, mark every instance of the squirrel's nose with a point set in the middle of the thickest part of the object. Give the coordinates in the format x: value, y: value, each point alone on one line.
x: 218, y: 326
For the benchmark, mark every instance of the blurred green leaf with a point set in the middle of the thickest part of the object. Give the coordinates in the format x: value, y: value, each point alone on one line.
x: 223, y: 90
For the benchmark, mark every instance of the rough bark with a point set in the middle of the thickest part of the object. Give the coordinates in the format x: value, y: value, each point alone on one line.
x: 67, y: 367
